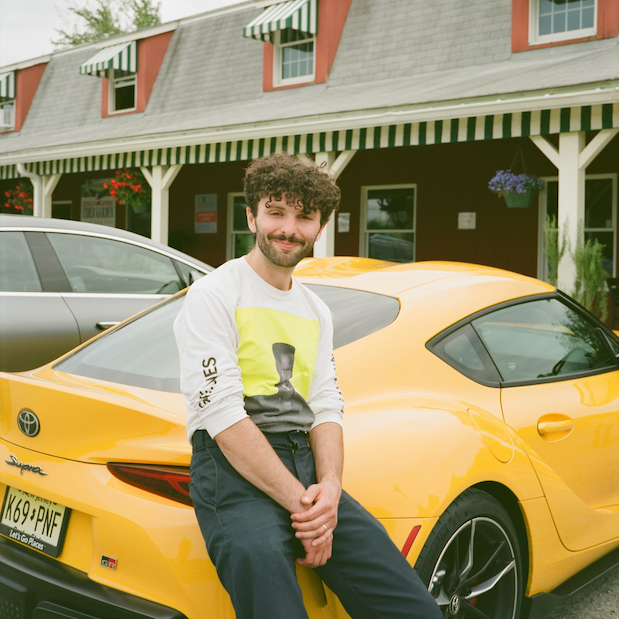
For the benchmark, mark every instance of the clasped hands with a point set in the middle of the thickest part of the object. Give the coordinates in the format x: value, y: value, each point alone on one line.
x: 315, y: 525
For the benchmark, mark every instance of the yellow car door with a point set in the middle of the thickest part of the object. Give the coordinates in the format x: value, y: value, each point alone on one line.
x: 560, y: 393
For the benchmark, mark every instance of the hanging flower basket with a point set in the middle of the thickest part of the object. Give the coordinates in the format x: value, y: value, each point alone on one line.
x: 513, y: 199
x: 517, y: 189
x: 128, y: 186
x: 19, y: 199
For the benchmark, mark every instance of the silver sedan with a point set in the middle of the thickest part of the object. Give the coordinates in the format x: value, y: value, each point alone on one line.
x: 62, y: 282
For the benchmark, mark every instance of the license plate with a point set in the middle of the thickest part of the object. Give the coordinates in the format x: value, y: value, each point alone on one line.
x: 34, y: 521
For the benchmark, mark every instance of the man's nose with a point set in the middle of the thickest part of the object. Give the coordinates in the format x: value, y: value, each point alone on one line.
x: 288, y: 225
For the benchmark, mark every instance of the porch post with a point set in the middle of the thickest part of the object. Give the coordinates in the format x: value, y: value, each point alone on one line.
x: 571, y: 215
x: 571, y: 160
x: 42, y: 189
x: 160, y: 178
x: 48, y: 184
x: 325, y: 246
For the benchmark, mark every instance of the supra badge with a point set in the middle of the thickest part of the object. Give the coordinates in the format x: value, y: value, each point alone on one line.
x: 28, y: 423
x: 14, y: 461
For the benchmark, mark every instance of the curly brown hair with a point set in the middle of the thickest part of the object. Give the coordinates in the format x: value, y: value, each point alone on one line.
x: 284, y: 177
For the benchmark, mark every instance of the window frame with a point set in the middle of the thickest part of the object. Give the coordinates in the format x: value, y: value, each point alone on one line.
x: 569, y: 35
x: 278, y: 79
x: 112, y: 85
x: 364, y: 240
x: 231, y: 235
x: 607, y: 339
x: 542, y: 263
x: 4, y: 107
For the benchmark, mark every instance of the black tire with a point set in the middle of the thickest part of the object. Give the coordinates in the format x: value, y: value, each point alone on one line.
x: 490, y: 586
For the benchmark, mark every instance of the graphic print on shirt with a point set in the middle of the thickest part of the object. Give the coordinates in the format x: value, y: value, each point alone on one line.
x: 277, y: 355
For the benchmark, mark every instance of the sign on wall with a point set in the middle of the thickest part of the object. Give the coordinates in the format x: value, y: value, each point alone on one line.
x: 99, y: 210
x: 206, y: 214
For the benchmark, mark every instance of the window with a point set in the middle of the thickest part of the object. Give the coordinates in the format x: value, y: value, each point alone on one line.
x: 464, y: 352
x: 241, y: 239
x: 294, y: 58
x: 17, y: 270
x: 131, y: 355
x: 388, y: 222
x: 544, y: 339
x: 7, y: 115
x: 560, y: 20
x: 122, y: 92
x: 99, y: 265
x: 600, y: 217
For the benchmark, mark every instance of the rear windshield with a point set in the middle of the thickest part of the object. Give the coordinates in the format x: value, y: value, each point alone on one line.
x: 143, y: 352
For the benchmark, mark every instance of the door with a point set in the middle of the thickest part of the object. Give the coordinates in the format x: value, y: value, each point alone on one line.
x: 561, y: 394
x: 36, y: 326
x: 111, y: 279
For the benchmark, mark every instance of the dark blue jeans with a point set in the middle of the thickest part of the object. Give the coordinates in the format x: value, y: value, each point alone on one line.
x: 250, y: 540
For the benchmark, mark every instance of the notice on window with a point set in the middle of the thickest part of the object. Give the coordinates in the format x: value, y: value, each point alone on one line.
x: 206, y: 214
x: 343, y: 222
x: 467, y: 221
x: 99, y: 210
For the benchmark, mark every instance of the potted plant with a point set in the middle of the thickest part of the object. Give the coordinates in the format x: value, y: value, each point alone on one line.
x: 128, y: 186
x: 517, y: 189
x: 19, y: 199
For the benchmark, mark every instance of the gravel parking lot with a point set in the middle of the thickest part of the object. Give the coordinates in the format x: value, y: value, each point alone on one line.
x: 599, y: 600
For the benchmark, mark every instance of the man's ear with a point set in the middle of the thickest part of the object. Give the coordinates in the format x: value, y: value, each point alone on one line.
x: 251, y: 220
x: 320, y: 231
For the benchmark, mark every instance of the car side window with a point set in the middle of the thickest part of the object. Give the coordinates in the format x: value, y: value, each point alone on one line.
x: 99, y: 265
x: 542, y: 339
x: 464, y: 352
x: 17, y: 270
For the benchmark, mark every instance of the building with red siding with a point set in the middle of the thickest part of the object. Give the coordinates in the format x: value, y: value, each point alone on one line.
x: 413, y: 106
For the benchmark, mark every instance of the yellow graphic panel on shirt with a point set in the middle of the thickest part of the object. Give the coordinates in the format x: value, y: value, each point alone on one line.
x: 277, y: 351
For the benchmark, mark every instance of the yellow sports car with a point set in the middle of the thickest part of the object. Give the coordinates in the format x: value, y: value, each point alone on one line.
x: 481, y: 425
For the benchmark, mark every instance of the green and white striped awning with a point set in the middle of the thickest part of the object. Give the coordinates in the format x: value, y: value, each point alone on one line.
x: 122, y: 58
x: 301, y: 15
x: 7, y: 86
x: 445, y: 131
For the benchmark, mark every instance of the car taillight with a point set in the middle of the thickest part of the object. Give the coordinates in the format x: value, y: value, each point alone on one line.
x: 171, y: 482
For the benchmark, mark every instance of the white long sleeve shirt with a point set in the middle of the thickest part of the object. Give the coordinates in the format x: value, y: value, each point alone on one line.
x: 249, y: 349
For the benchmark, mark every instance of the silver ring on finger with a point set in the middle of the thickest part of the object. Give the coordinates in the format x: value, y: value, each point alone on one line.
x: 324, y: 526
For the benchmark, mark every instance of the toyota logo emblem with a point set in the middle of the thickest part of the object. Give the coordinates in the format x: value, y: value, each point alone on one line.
x: 28, y: 423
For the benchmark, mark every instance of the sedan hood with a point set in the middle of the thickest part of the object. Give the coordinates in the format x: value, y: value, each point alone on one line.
x: 86, y: 420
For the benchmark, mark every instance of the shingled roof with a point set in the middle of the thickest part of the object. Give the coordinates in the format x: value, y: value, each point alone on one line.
x: 396, y: 59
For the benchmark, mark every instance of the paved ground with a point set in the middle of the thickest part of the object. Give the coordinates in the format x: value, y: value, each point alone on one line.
x: 599, y: 600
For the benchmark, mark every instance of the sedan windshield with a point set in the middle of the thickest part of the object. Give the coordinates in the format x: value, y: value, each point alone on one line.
x: 143, y: 352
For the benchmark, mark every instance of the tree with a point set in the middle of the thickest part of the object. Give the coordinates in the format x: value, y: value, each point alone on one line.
x: 106, y: 19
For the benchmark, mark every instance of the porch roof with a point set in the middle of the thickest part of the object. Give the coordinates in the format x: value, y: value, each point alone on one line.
x: 226, y: 116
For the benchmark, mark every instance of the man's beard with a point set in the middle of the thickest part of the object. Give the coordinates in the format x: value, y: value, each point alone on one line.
x: 279, y: 257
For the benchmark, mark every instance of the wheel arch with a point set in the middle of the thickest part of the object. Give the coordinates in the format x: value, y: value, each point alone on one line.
x: 510, y: 503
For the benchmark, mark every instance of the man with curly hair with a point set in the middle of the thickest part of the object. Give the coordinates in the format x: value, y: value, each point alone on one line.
x: 264, y: 416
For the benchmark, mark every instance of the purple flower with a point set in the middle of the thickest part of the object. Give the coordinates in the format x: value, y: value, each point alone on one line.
x: 505, y: 181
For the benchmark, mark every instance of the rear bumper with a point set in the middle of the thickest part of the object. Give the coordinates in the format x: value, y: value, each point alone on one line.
x: 33, y: 586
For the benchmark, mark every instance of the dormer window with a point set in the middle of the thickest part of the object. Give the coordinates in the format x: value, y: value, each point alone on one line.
x: 119, y: 64
x: 7, y: 101
x: 122, y: 92
x: 294, y: 59
x: 561, y: 20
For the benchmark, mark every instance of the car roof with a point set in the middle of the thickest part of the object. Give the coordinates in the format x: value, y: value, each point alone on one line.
x: 26, y: 223
x: 394, y: 278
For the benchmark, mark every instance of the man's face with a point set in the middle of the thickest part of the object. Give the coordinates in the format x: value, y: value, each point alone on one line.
x: 284, y: 233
